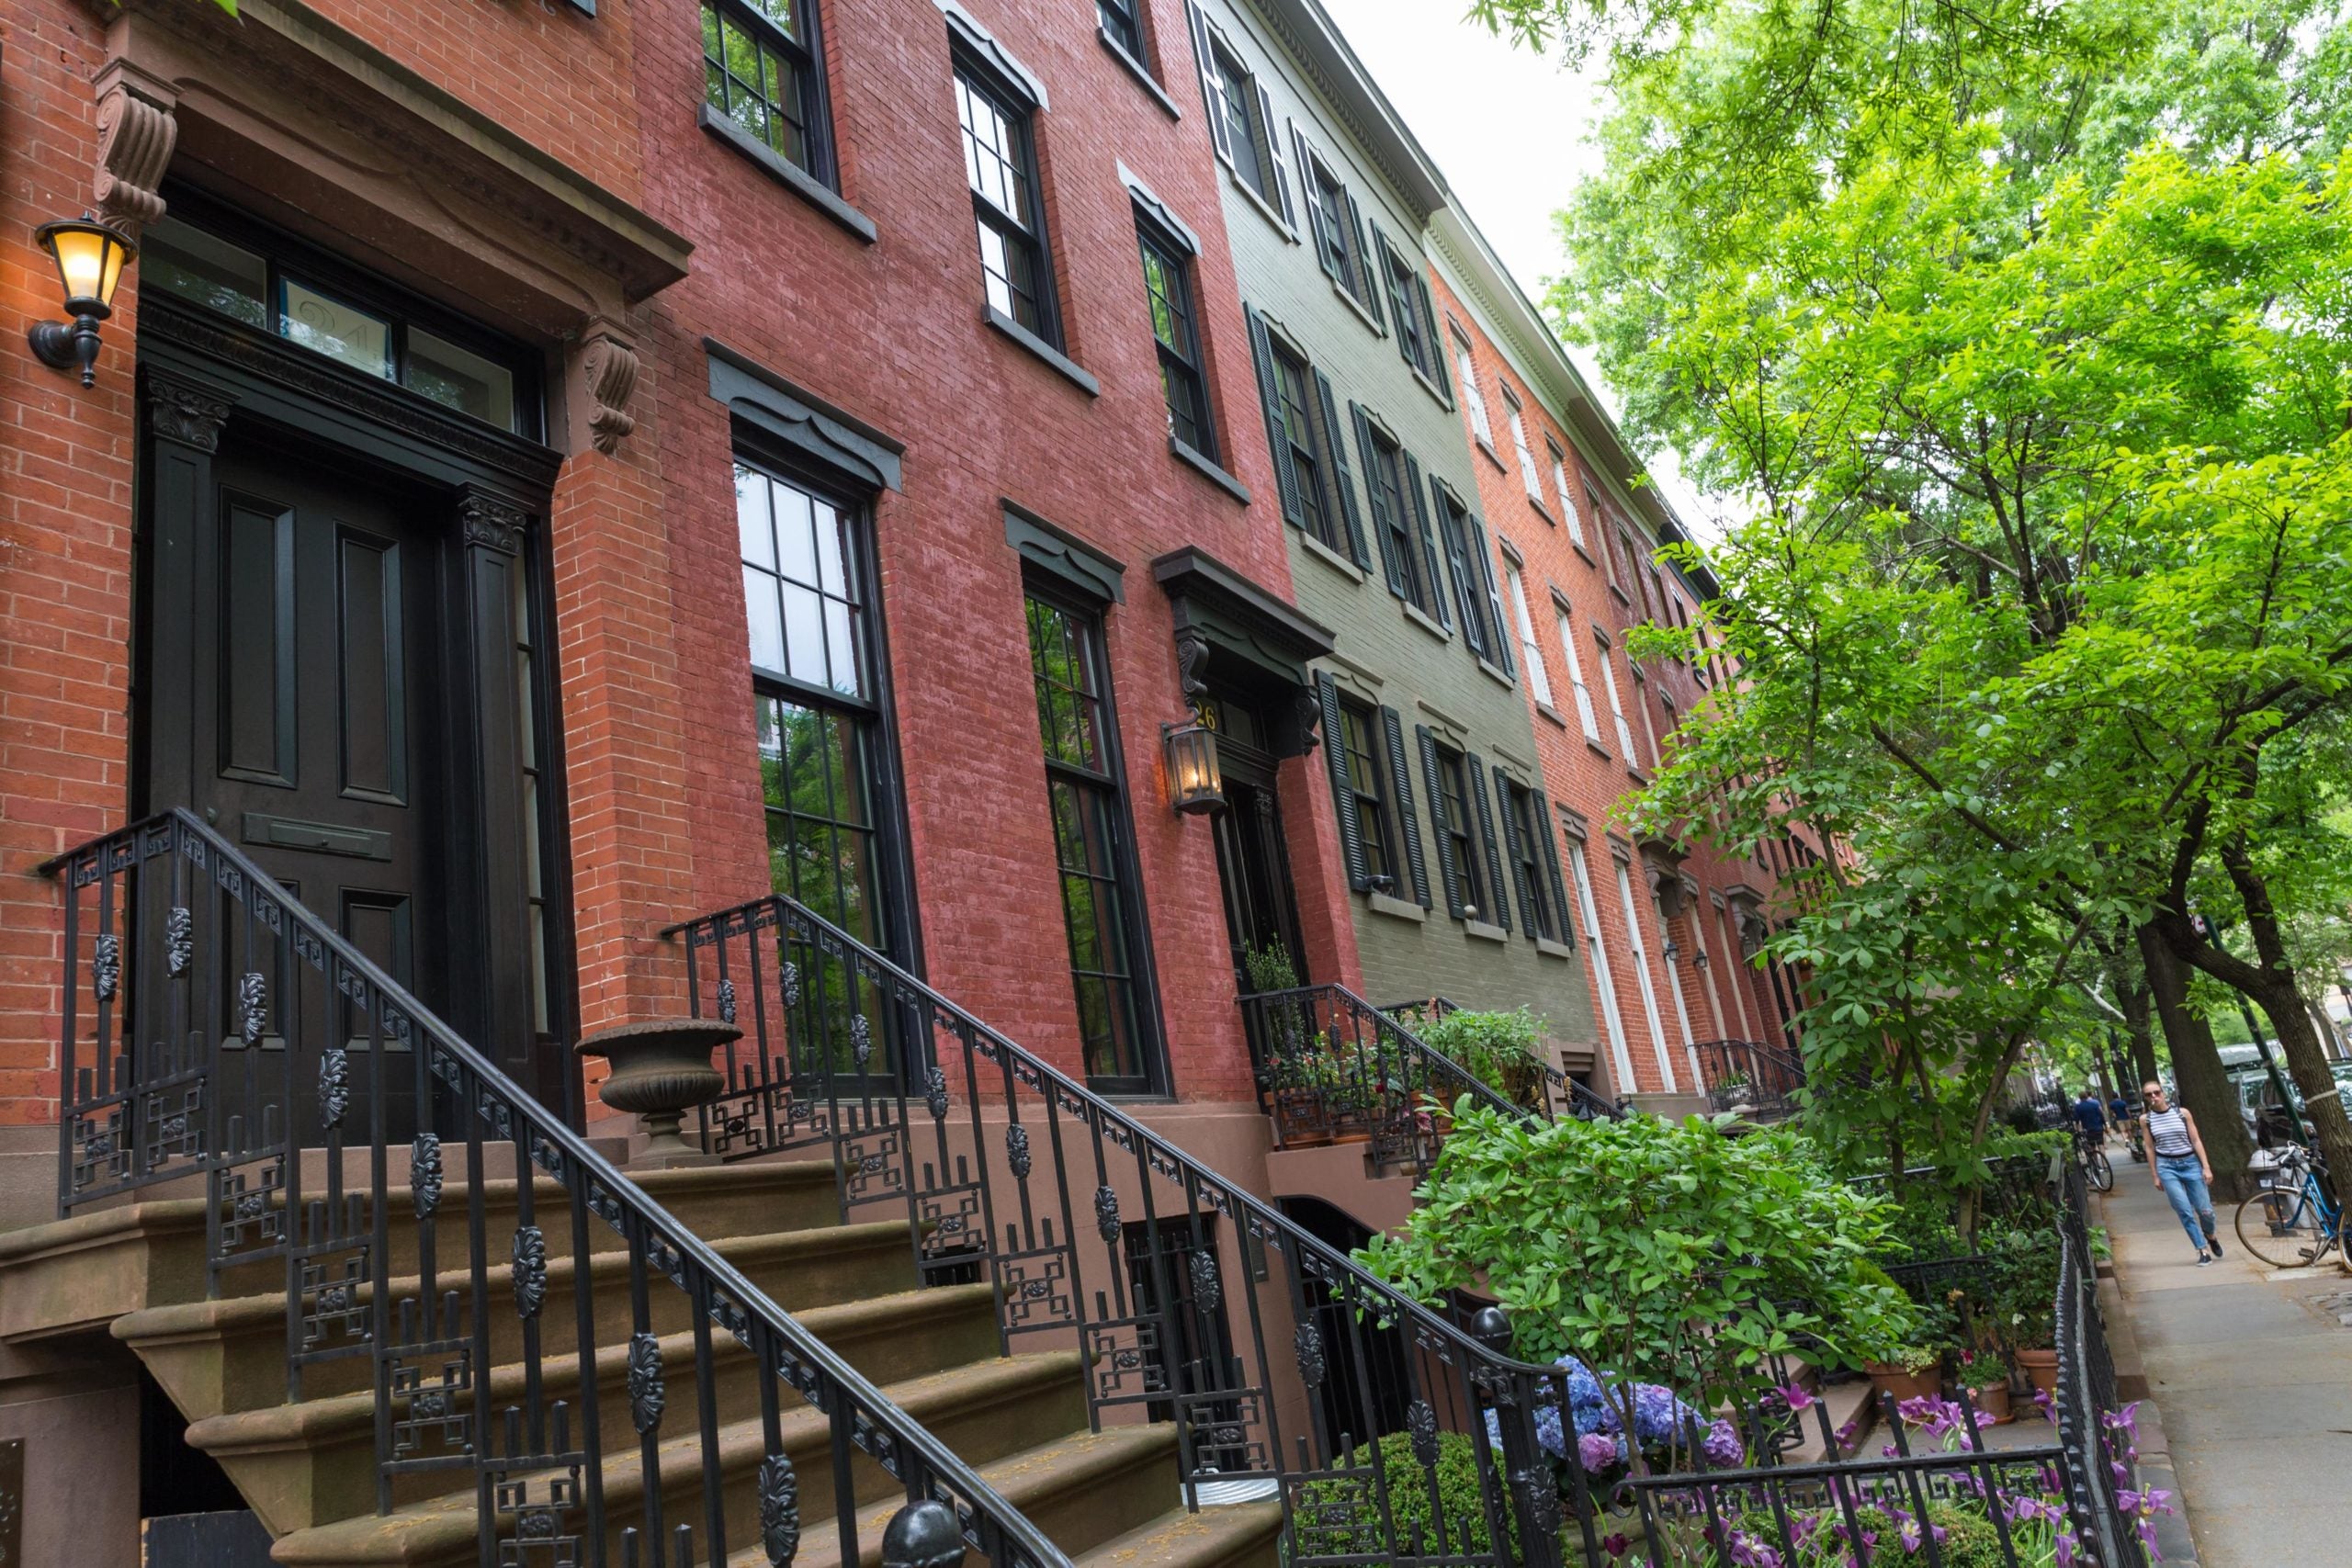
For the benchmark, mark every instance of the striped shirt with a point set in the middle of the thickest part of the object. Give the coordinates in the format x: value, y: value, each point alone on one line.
x: 2169, y: 1132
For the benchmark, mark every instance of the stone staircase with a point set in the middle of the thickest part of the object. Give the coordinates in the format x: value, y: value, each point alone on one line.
x: 307, y: 1466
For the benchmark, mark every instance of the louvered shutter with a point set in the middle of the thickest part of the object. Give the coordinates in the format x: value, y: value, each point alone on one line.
x: 1550, y: 831
x: 1324, y: 240
x: 1502, y: 637
x: 1498, y: 902
x: 1518, y: 850
x: 1377, y: 501
x: 1270, y: 397
x: 1343, y: 800
x: 1409, y: 822
x: 1428, y: 332
x: 1367, y: 289
x: 1212, y: 90
x: 1276, y: 159
x: 1439, y: 827
x: 1431, y: 563
x: 1335, y: 442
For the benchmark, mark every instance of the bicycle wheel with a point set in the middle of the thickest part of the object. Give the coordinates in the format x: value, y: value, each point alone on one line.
x: 2282, y: 1228
x: 2102, y: 1174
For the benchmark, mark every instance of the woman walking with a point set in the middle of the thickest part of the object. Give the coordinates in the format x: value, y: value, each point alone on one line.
x: 2181, y: 1169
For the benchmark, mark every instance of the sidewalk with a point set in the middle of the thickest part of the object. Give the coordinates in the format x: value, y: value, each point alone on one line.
x: 2253, y: 1386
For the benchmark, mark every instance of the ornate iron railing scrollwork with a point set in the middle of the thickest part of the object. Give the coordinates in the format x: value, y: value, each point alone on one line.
x: 212, y: 1028
x: 1749, y: 1077
x: 1279, y: 1359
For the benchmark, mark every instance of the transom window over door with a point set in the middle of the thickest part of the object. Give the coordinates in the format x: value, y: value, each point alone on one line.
x: 1093, y: 848
x: 1001, y: 166
x: 762, y: 68
x: 817, y: 719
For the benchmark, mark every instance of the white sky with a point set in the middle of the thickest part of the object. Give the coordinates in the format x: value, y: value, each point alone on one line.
x: 1508, y: 128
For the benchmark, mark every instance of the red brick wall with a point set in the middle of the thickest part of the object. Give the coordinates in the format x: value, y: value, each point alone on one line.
x: 1574, y: 773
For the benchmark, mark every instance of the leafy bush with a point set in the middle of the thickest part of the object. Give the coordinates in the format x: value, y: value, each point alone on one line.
x: 1330, y: 1514
x: 1501, y: 1050
x: 1663, y: 1252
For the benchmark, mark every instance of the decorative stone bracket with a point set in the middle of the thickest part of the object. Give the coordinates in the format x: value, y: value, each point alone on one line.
x: 603, y: 375
x: 136, y: 134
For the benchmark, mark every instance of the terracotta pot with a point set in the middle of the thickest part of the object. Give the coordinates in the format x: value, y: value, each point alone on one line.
x: 1992, y: 1404
x: 1907, y: 1382
x: 661, y: 1070
x: 2041, y: 1366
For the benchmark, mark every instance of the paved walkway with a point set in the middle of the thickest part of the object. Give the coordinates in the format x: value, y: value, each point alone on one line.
x: 2252, y: 1382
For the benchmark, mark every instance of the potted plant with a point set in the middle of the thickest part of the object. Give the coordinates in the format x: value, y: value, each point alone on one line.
x: 1985, y: 1375
x: 1502, y: 1050
x: 1907, y: 1371
x: 2024, y: 1270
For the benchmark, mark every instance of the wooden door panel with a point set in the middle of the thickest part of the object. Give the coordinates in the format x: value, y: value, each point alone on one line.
x: 372, y: 713
x: 255, y: 677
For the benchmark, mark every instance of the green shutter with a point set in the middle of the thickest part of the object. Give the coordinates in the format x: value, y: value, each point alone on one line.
x: 1506, y: 633
x: 1336, y: 443
x: 1429, y: 554
x: 1519, y: 852
x: 1430, y: 334
x: 1367, y: 289
x: 1378, y: 503
x: 1439, y: 827
x: 1408, y: 825
x: 1335, y: 757
x: 1270, y: 397
x: 1498, y: 911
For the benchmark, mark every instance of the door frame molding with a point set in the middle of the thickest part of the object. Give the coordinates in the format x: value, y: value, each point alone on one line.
x: 198, y: 372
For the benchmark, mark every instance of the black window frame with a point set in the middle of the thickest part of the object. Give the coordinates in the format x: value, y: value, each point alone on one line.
x: 1106, y: 785
x: 808, y: 59
x: 1459, y: 804
x: 1014, y: 103
x: 1317, y: 500
x: 1121, y: 22
x: 1182, y: 363
x: 1361, y: 742
x: 1529, y: 868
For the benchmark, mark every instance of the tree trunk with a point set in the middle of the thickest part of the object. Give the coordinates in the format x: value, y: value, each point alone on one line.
x: 2136, y: 1021
x: 2205, y: 1088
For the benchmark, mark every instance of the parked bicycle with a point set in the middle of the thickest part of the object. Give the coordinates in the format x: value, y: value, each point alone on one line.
x: 2291, y: 1221
x: 2090, y: 1151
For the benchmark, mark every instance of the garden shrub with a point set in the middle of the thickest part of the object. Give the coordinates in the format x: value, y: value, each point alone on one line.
x: 1458, y: 1494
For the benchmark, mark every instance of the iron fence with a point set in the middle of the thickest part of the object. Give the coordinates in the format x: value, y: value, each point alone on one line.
x: 1748, y: 1077
x: 215, y: 1034
x: 1283, y: 1364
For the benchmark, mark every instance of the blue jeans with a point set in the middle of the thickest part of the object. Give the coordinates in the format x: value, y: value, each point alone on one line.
x: 2184, y: 1184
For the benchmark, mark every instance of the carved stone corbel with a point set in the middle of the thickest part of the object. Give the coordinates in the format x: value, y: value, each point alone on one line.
x: 1192, y: 658
x: 491, y: 520
x: 189, y: 411
x: 607, y: 374
x: 136, y: 133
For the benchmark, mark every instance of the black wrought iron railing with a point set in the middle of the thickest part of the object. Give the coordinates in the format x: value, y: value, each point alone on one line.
x: 216, y: 1032
x: 1281, y: 1361
x: 1556, y: 1094
x: 1748, y: 1077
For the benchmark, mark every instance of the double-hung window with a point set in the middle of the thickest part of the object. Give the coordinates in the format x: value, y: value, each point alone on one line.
x: 1338, y: 229
x: 1474, y: 396
x: 1531, y: 867
x: 1242, y: 123
x: 1569, y: 511
x: 1531, y: 653
x: 1167, y: 287
x: 1585, y: 716
x: 1001, y: 166
x: 1093, y: 847
x: 764, y: 68
x: 1528, y: 478
x: 1123, y: 25
x: 1395, y: 502
x: 1616, y: 707
x: 818, y: 714
x: 1366, y: 798
x: 1454, y: 784
x: 1474, y: 590
x: 1404, y: 309
x: 1293, y: 394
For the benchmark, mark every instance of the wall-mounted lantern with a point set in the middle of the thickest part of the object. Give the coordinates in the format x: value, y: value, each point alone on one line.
x: 1194, y: 784
x: 90, y: 257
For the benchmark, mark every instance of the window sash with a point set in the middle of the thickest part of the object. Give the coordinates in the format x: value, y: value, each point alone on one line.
x: 1168, y: 288
x: 1530, y: 652
x: 1123, y: 22
x: 1585, y: 716
x: 1406, y: 311
x: 1569, y: 511
x: 1389, y: 474
x: 1616, y: 707
x: 1306, y: 451
x: 1528, y: 855
x: 1641, y: 955
x: 1473, y: 396
x: 1001, y: 168
x: 1367, y: 796
x: 1527, y: 477
x: 781, y: 104
x: 1597, y: 955
x: 1469, y: 593
x: 1469, y: 870
x: 1237, y: 92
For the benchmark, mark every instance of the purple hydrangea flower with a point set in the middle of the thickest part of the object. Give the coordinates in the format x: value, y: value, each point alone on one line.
x: 1595, y: 1451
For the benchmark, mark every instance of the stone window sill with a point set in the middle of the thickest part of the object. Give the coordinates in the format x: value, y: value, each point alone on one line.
x: 1419, y: 617
x: 1397, y: 908
x: 1585, y: 553
x: 1485, y: 932
x: 1141, y: 73
x: 1550, y: 949
x: 1431, y: 388
x: 1329, y: 556
x: 1497, y: 677
x: 789, y: 175
x: 1077, y: 373
x: 1266, y: 209
x: 1548, y: 711
x: 1488, y: 449
x: 1201, y: 461
x: 1353, y: 303
x: 1597, y: 750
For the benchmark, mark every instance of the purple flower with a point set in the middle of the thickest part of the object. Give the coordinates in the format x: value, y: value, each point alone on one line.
x: 1796, y: 1396
x: 1722, y: 1446
x: 1615, y: 1545
x: 1595, y: 1451
x: 2065, y: 1548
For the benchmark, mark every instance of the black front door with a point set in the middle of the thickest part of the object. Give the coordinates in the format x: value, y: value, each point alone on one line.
x: 1252, y: 865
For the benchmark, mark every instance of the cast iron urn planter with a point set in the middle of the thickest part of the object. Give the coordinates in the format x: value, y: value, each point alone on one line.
x: 661, y: 1070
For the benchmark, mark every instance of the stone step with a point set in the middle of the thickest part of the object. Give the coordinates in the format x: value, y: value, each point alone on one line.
x: 1083, y: 1491
x: 1019, y: 1406
x: 1243, y: 1535
x: 77, y: 1274
x: 215, y: 1357
x: 1854, y: 1403
x: 312, y: 1463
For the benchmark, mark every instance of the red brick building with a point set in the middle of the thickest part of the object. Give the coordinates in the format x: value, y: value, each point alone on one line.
x: 1580, y: 533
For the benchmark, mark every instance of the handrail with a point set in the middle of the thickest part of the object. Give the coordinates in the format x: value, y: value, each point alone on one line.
x: 861, y: 1415
x: 1560, y: 1090
x: 797, y: 1088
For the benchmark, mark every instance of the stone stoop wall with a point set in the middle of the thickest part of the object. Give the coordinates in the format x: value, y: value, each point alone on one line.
x: 1384, y: 657
x: 1589, y: 784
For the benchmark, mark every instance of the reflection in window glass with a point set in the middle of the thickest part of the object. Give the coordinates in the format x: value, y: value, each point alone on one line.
x: 209, y: 272
x: 341, y: 331
x: 804, y: 613
x: 455, y: 378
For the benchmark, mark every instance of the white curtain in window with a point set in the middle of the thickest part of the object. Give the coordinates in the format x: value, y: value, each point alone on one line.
x: 1616, y: 707
x: 1597, y: 955
x: 1530, y: 655
x: 1642, y: 976
x: 1575, y: 679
